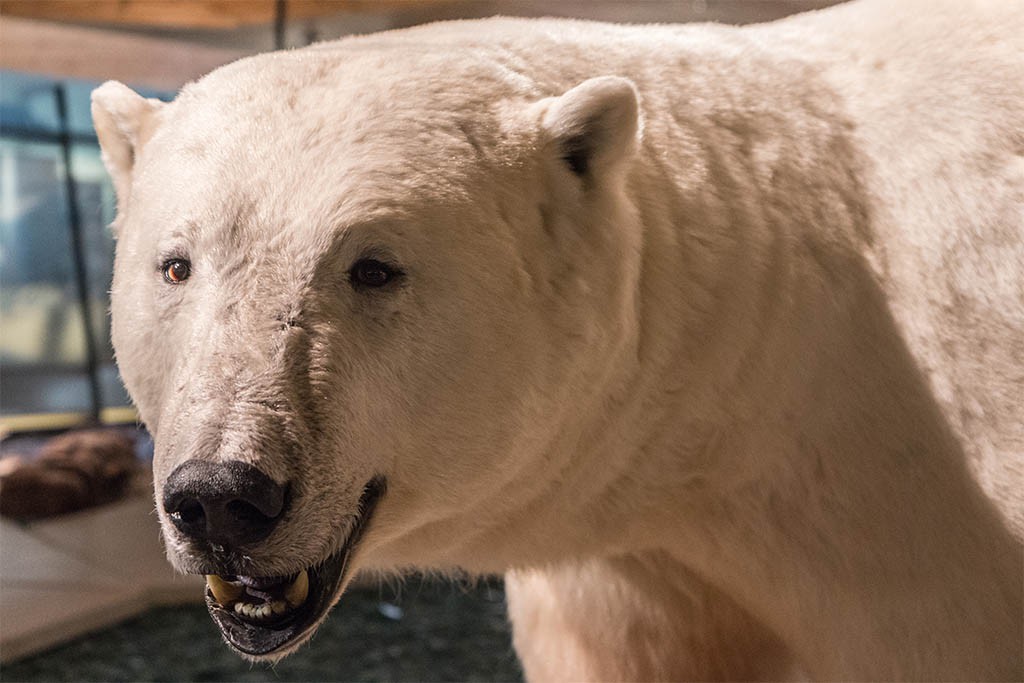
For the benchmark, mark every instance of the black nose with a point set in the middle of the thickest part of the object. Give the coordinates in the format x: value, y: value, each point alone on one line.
x: 227, y: 503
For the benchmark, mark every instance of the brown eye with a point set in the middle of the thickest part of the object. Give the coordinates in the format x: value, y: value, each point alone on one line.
x: 177, y: 271
x: 372, y: 273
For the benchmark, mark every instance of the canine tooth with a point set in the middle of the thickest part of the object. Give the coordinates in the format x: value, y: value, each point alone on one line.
x: 297, y: 592
x: 278, y: 606
x: 223, y: 591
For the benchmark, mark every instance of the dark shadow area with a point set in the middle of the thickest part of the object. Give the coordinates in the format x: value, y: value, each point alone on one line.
x: 423, y: 630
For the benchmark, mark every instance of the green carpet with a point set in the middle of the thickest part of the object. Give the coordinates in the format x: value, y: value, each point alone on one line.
x: 425, y: 631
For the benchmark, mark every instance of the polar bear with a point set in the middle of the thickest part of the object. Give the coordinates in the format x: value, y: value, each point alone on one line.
x: 711, y: 338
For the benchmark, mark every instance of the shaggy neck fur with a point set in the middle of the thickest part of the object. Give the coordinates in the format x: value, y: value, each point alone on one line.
x: 810, y: 491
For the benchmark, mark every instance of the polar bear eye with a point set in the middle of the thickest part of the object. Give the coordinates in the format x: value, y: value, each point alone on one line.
x: 372, y: 273
x: 176, y: 270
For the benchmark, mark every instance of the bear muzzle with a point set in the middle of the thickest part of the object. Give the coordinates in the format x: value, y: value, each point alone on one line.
x: 263, y: 616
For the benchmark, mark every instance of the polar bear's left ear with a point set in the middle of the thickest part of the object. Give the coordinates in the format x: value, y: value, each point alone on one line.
x: 596, y: 125
x: 122, y: 119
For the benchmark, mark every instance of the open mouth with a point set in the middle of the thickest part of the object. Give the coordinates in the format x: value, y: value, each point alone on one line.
x: 260, y: 615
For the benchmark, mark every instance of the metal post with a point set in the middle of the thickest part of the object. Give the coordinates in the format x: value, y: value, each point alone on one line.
x: 78, y: 256
x: 280, y: 17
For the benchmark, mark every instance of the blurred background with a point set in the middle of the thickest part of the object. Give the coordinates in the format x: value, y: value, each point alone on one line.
x: 84, y: 591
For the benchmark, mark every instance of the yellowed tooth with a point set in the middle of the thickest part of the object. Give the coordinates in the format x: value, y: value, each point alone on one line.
x: 223, y: 591
x: 297, y: 592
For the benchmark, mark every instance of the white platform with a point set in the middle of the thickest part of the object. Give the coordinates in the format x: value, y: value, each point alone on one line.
x: 64, y: 577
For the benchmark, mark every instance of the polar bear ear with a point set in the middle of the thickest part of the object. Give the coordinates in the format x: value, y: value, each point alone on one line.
x: 595, y: 125
x: 122, y: 120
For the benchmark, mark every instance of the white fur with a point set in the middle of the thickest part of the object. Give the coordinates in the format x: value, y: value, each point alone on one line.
x: 723, y: 403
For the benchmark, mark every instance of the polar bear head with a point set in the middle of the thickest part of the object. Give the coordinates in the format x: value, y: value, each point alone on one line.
x: 366, y: 298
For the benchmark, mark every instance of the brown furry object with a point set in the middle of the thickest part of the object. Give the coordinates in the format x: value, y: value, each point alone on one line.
x: 76, y: 470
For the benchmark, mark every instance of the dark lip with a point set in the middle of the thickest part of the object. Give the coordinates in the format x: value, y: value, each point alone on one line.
x: 260, y: 640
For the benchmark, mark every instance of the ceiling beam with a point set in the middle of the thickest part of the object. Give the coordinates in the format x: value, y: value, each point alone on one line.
x: 95, y: 54
x: 200, y: 14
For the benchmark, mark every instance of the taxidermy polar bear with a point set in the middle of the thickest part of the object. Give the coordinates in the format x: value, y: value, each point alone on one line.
x: 713, y: 338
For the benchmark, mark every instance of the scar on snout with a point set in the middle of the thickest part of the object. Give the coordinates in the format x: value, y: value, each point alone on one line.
x: 288, y: 320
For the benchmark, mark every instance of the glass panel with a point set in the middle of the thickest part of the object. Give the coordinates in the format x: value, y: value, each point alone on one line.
x: 96, y: 211
x: 42, y: 347
x: 112, y: 391
x: 27, y: 103
x: 79, y: 107
x: 42, y: 331
x: 96, y: 204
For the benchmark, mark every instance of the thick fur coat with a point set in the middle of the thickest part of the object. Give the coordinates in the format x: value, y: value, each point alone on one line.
x: 713, y: 338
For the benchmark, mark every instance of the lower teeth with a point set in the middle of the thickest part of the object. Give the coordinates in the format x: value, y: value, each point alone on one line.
x: 263, y: 611
x: 229, y: 595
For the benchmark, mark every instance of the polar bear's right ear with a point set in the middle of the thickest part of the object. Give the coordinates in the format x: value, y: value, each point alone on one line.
x: 595, y: 125
x: 122, y: 119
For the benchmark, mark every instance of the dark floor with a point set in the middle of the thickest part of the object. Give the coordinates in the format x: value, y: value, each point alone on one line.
x: 426, y: 630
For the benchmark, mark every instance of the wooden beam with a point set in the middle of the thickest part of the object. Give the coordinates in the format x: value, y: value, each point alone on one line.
x: 68, y: 51
x: 201, y: 14
x: 164, y: 13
